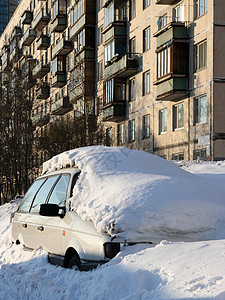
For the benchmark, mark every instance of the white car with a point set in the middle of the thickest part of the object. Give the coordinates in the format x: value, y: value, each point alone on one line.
x: 44, y: 218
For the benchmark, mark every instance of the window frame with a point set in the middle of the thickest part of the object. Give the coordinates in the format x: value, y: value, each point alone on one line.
x: 163, y: 118
x: 176, y: 120
x: 131, y: 131
x: 146, y: 83
x: 198, y: 8
x: 147, y: 39
x: 198, y: 66
x: 197, y: 110
x: 146, y: 4
x: 146, y: 131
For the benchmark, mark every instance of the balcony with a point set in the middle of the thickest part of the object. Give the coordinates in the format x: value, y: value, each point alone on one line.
x: 15, y: 55
x: 17, y: 32
x: 43, y: 92
x: 41, y: 70
x: 84, y: 54
x: 27, y: 17
x: 29, y: 37
x: 174, y: 31
x: 59, y: 79
x: 166, y: 2
x: 77, y: 26
x: 114, y: 29
x: 40, y: 120
x: 59, y: 24
x: 63, y: 47
x: 27, y: 77
x: 124, y: 67
x: 172, y: 88
x: 41, y: 20
x: 76, y: 92
x: 61, y: 106
x: 6, y: 64
x: 114, y: 111
x: 43, y: 42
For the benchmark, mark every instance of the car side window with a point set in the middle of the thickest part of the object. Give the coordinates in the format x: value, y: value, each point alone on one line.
x: 43, y: 193
x: 28, y: 198
x: 59, y: 193
x: 75, y: 177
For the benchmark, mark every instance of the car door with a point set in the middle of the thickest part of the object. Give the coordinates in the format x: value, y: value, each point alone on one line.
x: 51, y: 235
x: 34, y: 220
x: 22, y: 229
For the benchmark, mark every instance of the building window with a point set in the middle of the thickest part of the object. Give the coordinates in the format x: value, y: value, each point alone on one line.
x: 146, y: 126
x: 146, y: 3
x: 163, y: 121
x: 178, y: 116
x: 146, y: 38
x: 178, y: 13
x: 114, y: 90
x: 201, y: 55
x: 132, y: 47
x: 109, y: 139
x: 132, y: 89
x: 132, y: 9
x: 131, y: 131
x: 199, y: 154
x: 109, y: 91
x: 201, y: 7
x: 178, y: 156
x: 163, y: 62
x: 76, y: 12
x: 120, y: 134
x: 109, y: 14
x: 109, y: 51
x: 99, y: 105
x: 100, y: 70
x: 162, y: 21
x: 100, y: 35
x: 200, y: 109
x: 146, y: 83
x: 79, y: 40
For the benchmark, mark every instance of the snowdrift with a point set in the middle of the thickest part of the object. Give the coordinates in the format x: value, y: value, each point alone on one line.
x: 140, y: 196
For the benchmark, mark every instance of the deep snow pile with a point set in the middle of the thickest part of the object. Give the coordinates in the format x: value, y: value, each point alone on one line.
x: 140, y: 196
x: 167, y: 271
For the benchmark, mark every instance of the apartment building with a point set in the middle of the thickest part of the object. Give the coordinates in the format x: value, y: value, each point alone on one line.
x: 150, y: 70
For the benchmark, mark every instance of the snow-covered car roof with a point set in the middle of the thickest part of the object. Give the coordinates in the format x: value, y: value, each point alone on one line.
x: 137, y: 195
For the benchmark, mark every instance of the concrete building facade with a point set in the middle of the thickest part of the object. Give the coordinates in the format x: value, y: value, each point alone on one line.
x: 152, y: 70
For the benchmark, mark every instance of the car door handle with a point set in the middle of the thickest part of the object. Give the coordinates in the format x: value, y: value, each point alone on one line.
x: 24, y: 225
x: 41, y: 228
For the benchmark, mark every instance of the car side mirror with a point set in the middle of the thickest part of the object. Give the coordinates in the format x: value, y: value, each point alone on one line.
x: 49, y: 210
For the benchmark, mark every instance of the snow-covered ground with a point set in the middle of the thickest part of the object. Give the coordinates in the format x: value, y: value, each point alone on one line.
x: 193, y: 270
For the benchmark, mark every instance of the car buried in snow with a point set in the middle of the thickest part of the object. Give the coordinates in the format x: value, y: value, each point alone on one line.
x: 44, y: 218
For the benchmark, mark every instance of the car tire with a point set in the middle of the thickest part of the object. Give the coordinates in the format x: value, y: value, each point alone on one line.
x: 74, y: 263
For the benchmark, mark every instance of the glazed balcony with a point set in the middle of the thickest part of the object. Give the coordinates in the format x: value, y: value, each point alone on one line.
x: 43, y: 92
x: 124, y: 67
x: 59, y: 79
x: 28, y: 64
x: 114, y: 111
x: 6, y: 64
x: 29, y: 37
x: 77, y: 26
x: 84, y: 54
x: 41, y: 70
x: 43, y: 42
x: 61, y: 106
x: 174, y: 31
x: 172, y: 88
x: 76, y: 92
x: 41, y: 20
x: 114, y: 29
x: 15, y: 55
x: 17, y: 32
x: 40, y: 120
x: 27, y: 17
x: 59, y: 24
x: 63, y: 47
x: 166, y: 2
